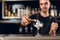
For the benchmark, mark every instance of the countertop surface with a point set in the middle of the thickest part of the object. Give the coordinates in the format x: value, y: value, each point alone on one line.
x: 21, y: 37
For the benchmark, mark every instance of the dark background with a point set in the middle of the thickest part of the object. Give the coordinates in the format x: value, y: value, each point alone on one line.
x: 12, y: 28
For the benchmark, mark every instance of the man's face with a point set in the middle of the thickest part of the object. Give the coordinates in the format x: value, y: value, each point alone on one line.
x: 44, y: 5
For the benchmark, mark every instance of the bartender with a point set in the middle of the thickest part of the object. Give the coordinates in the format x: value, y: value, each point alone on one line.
x: 49, y: 24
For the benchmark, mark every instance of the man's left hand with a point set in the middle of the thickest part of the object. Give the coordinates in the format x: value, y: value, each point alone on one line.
x: 53, y: 28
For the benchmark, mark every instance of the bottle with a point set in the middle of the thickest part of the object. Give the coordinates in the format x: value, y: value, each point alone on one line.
x: 52, y: 11
x: 59, y: 12
x: 9, y: 13
x: 28, y: 10
x: 33, y: 11
x: 20, y: 29
x: 26, y: 29
x: 55, y: 11
x: 5, y: 10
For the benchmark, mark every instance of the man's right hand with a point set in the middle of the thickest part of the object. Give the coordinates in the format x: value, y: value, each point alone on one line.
x: 25, y: 21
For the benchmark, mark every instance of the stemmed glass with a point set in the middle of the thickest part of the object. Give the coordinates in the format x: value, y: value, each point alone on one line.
x: 38, y: 25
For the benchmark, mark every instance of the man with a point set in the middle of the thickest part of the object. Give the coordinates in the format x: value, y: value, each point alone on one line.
x: 49, y: 24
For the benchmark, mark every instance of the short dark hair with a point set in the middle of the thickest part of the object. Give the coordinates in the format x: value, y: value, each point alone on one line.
x: 49, y: 0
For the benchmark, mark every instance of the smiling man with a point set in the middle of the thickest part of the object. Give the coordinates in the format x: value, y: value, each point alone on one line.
x: 49, y: 23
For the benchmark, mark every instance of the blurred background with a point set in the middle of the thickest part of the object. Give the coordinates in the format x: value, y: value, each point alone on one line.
x: 11, y: 12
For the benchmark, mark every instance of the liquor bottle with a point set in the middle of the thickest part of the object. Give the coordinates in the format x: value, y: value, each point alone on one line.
x: 31, y: 29
x: 52, y: 11
x: 20, y: 29
x: 33, y: 11
x: 55, y: 11
x: 59, y: 12
x: 5, y: 10
x: 27, y: 10
x: 26, y: 30
x: 9, y: 13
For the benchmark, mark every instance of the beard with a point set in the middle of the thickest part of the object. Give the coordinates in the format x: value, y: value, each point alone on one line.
x: 44, y: 11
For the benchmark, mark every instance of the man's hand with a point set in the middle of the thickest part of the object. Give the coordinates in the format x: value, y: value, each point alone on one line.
x: 24, y: 21
x: 53, y: 28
